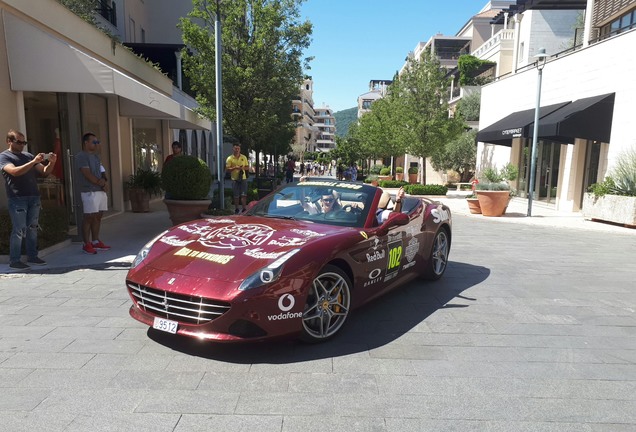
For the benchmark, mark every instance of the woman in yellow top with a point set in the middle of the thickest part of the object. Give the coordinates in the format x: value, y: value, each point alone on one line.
x: 237, y: 165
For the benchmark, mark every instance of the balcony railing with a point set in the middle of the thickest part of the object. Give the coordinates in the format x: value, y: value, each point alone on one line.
x: 502, y: 35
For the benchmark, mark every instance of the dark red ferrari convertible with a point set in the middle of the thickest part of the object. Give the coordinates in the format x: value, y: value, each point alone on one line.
x: 294, y: 264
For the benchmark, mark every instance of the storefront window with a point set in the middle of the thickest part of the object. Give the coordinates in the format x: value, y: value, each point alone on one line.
x: 204, y: 148
x: 148, y: 154
x: 183, y: 139
x: 43, y: 134
x: 195, y: 144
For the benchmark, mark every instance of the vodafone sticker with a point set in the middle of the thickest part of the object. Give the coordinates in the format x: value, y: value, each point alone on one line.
x: 286, y: 302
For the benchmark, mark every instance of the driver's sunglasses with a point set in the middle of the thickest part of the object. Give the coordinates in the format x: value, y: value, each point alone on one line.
x: 327, y: 200
x: 20, y: 142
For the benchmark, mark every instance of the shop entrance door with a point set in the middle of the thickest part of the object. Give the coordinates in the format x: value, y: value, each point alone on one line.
x: 547, y: 178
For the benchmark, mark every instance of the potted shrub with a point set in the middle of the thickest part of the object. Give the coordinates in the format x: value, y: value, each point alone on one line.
x: 494, y: 191
x: 399, y: 173
x: 140, y: 187
x: 614, y: 199
x: 186, y: 180
x: 413, y: 175
x: 385, y: 174
x: 372, y: 179
x: 472, y: 200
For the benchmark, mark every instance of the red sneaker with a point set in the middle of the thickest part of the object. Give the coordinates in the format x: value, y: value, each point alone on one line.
x: 89, y: 249
x: 100, y: 246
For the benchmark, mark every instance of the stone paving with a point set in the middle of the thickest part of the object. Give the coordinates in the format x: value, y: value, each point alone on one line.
x: 532, y: 328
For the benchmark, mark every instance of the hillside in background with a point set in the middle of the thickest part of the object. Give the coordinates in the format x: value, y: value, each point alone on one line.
x: 343, y: 119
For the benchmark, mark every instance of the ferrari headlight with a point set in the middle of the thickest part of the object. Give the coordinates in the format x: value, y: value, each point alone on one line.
x: 267, y: 274
x: 143, y: 253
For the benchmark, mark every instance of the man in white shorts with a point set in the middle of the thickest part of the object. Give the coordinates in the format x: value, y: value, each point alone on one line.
x: 93, y: 187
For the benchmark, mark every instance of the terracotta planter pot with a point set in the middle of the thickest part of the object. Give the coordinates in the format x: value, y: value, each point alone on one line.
x: 399, y: 176
x: 139, y: 200
x: 182, y: 211
x: 412, y: 178
x: 493, y: 203
x: 473, y: 205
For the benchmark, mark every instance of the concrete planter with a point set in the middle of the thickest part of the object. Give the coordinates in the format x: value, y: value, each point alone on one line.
x: 610, y: 208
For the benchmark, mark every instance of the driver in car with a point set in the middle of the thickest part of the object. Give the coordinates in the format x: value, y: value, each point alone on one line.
x: 329, y: 202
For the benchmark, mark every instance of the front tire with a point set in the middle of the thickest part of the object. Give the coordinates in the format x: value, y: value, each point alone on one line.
x: 438, y: 258
x: 328, y: 304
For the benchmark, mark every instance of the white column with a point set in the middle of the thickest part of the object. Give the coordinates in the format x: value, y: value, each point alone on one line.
x: 178, y: 56
x: 515, y: 49
x: 587, y: 30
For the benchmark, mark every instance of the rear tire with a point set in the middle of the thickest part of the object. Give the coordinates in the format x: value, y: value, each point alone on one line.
x: 328, y: 304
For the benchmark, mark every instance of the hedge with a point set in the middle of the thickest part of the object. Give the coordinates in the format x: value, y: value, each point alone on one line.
x: 432, y: 189
x: 392, y: 183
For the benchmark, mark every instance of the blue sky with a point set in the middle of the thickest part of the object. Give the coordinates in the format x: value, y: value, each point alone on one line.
x: 355, y: 41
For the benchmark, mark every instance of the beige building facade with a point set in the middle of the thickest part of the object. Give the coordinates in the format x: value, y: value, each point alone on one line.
x: 61, y: 77
x: 584, y: 109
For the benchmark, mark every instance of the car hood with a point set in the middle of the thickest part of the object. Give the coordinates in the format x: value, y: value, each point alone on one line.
x: 232, y: 248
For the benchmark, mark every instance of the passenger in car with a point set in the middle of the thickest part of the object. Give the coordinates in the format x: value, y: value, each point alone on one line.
x: 386, y: 205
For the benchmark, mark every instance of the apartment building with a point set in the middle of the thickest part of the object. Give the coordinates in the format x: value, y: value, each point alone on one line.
x: 304, y: 115
x: 377, y: 90
x: 585, y: 106
x: 61, y: 77
x: 326, y: 124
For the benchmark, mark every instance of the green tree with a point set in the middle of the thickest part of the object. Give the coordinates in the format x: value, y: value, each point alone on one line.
x: 381, y: 133
x: 468, y: 107
x: 422, y: 91
x: 262, y: 67
x: 460, y: 155
x: 347, y: 151
x: 82, y: 8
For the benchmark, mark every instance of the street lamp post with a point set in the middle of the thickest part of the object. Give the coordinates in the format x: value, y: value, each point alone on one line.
x: 219, y: 106
x: 541, y: 59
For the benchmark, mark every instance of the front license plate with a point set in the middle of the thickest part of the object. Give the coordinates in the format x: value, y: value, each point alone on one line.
x: 165, y: 325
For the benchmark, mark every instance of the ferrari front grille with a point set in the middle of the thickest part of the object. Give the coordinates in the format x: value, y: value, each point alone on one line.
x: 178, y: 307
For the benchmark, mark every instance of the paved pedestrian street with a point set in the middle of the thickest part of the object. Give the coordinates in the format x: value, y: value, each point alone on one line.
x: 533, y: 328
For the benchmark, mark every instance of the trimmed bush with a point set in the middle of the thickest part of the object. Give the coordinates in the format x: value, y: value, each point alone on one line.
x: 375, y: 169
x: 186, y: 178
x: 418, y: 189
x: 392, y: 183
x: 385, y: 171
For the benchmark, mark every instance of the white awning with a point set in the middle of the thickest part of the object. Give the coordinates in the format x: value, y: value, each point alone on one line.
x: 40, y: 62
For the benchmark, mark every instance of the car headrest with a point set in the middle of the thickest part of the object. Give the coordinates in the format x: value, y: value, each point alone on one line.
x: 385, y: 201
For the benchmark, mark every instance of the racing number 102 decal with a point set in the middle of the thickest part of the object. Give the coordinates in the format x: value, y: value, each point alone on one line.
x: 394, y: 259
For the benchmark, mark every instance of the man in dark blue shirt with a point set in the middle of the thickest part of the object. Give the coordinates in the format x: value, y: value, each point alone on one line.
x: 20, y: 170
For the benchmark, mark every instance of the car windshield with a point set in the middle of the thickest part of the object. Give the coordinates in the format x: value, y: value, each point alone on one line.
x: 325, y: 202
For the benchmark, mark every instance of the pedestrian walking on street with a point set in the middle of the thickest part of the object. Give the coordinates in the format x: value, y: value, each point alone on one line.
x: 93, y: 187
x: 20, y: 170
